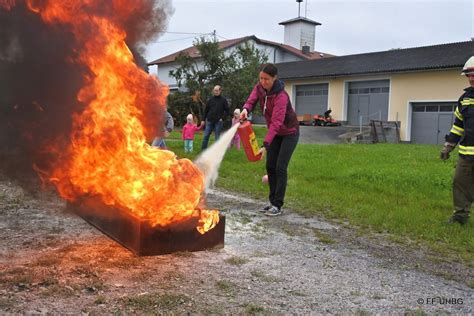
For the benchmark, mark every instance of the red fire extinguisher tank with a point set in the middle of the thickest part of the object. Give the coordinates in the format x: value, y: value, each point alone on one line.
x: 249, y: 141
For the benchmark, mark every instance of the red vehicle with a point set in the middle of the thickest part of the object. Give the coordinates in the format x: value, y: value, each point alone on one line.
x: 325, y: 120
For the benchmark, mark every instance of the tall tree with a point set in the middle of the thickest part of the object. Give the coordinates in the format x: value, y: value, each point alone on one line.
x: 235, y: 70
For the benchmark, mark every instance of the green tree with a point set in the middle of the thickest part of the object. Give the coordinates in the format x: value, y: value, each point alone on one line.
x: 236, y: 71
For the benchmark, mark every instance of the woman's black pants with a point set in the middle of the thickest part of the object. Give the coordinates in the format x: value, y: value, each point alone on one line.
x: 278, y: 157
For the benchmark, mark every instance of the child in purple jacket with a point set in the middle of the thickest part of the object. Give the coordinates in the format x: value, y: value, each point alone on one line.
x: 188, y: 133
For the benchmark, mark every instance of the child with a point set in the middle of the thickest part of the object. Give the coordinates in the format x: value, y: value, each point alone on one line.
x: 167, y: 129
x: 188, y: 133
x: 236, y: 139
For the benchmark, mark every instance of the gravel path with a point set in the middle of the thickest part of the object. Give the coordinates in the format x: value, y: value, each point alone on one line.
x: 54, y: 262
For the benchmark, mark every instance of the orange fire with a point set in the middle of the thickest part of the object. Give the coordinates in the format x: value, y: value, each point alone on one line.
x: 108, y: 155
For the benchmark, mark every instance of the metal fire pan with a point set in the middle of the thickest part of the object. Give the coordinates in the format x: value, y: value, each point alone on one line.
x: 142, y: 238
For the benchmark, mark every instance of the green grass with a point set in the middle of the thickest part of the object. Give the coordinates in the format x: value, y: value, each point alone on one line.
x: 400, y: 189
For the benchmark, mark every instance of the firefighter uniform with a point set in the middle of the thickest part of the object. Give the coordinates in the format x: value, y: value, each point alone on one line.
x: 462, y: 132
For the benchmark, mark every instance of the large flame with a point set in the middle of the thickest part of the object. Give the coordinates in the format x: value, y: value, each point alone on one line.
x: 108, y: 155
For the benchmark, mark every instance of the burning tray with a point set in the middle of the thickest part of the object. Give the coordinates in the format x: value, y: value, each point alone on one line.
x: 143, y: 239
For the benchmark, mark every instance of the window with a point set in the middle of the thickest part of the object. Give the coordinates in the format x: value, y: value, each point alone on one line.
x: 432, y: 108
x: 308, y: 93
x: 418, y: 109
x: 446, y: 108
x: 385, y: 89
x: 353, y: 91
x: 364, y: 90
x: 375, y: 90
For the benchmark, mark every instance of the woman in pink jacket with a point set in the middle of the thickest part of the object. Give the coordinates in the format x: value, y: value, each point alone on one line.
x: 188, y: 133
x: 282, y: 136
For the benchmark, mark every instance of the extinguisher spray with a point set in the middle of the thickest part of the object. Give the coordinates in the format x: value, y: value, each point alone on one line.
x: 249, y: 141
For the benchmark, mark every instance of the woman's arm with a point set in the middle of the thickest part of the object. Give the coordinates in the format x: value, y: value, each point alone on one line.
x: 277, y: 119
x: 252, y: 99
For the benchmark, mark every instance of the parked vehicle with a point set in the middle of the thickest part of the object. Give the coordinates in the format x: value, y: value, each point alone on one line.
x: 325, y: 119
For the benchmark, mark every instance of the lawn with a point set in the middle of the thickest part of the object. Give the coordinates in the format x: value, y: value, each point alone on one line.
x: 400, y: 189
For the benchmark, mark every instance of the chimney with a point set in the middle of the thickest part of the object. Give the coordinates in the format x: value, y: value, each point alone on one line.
x: 305, y: 49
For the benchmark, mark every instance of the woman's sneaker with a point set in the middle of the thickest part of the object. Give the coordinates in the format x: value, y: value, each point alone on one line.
x: 273, y: 211
x: 265, y: 208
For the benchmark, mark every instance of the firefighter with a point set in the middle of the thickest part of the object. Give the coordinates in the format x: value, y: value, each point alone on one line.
x: 463, y: 132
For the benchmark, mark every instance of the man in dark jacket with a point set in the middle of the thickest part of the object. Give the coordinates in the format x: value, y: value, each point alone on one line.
x: 462, y: 132
x: 216, y: 110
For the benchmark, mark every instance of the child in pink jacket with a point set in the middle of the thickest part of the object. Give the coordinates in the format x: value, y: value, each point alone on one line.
x: 188, y: 133
x: 236, y: 139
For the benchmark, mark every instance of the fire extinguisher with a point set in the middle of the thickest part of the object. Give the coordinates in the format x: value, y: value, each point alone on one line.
x: 249, y: 141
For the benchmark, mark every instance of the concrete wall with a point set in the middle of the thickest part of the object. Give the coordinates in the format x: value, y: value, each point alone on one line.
x: 405, y: 88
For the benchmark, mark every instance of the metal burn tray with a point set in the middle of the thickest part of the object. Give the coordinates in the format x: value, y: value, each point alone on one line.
x: 140, y: 237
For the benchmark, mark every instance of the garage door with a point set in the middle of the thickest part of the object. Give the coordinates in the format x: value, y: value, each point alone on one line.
x: 368, y: 99
x: 311, y: 99
x: 431, y: 121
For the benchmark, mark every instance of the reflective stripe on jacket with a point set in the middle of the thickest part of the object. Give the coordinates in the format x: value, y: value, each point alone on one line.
x: 462, y: 131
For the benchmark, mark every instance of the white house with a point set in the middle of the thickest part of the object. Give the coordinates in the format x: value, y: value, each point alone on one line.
x: 298, y: 46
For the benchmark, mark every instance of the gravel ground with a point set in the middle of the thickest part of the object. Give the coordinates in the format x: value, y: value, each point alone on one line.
x: 54, y: 262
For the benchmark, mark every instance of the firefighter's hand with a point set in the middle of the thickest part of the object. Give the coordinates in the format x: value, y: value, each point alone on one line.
x: 243, y: 114
x: 262, y: 152
x: 447, y: 148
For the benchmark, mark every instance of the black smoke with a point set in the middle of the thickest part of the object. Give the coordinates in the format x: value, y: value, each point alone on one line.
x: 39, y: 79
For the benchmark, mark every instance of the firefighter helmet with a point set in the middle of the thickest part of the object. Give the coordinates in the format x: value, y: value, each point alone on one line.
x: 468, y: 67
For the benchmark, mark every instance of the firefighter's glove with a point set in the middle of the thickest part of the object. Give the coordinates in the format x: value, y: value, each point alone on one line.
x: 447, y: 148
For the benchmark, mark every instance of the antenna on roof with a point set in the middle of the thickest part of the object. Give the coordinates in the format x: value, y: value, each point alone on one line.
x: 299, y: 5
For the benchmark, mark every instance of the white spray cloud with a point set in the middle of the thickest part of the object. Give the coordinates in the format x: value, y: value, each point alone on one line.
x: 210, y: 160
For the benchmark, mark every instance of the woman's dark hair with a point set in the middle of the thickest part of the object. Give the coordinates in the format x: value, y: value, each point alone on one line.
x: 270, y: 69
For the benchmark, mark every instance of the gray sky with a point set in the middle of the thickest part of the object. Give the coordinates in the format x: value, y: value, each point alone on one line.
x: 348, y: 26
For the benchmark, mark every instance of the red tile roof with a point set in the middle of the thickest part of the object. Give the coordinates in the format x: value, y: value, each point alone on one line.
x: 193, y: 52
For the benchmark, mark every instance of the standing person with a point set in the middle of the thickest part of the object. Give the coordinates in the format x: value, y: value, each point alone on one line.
x: 188, y: 133
x: 463, y: 132
x: 236, y: 120
x: 282, y: 136
x: 217, y: 109
x: 167, y: 129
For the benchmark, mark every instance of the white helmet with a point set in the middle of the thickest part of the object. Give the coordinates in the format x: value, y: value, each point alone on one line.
x: 468, y: 67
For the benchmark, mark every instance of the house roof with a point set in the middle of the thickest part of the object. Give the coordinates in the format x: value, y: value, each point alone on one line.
x: 193, y: 52
x: 443, y: 56
x: 299, y: 19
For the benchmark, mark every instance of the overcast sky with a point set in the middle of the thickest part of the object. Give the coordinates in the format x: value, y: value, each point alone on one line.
x: 348, y: 26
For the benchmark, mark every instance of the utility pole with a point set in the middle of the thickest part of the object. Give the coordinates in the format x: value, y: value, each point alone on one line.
x: 299, y: 5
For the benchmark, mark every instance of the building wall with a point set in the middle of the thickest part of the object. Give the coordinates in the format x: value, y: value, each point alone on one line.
x: 274, y: 54
x: 405, y: 88
x: 300, y: 33
x: 438, y: 86
x: 162, y: 72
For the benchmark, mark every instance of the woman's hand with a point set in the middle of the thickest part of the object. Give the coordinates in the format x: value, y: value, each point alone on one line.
x: 262, y: 152
x: 243, y: 114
